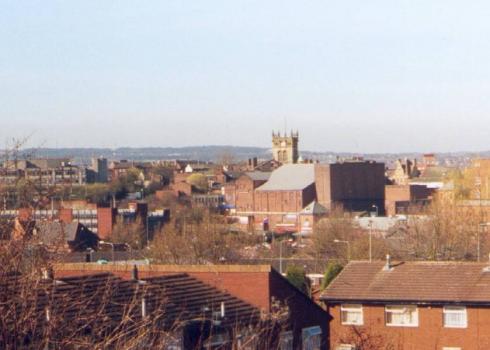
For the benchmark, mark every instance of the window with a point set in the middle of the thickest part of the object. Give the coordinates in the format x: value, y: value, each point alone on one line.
x: 312, y: 338
x: 173, y: 343
x: 455, y: 317
x: 351, y: 314
x: 286, y: 340
x: 345, y: 347
x: 402, y: 315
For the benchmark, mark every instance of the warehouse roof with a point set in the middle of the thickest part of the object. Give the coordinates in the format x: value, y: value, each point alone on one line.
x: 290, y: 177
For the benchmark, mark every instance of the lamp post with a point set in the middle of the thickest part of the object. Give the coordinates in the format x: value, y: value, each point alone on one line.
x: 112, y: 248
x: 370, y: 240
x: 348, y: 247
x: 481, y: 227
x: 280, y: 256
x: 147, y: 235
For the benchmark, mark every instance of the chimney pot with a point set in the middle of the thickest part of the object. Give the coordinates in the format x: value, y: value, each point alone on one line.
x: 388, y: 266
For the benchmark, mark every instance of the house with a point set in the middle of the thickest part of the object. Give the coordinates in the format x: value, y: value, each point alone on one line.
x: 410, y: 306
x: 404, y: 171
x: 175, y: 311
x: 258, y: 285
x: 71, y: 236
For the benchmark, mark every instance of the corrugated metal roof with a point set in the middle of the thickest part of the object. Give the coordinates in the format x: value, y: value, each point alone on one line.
x: 290, y: 177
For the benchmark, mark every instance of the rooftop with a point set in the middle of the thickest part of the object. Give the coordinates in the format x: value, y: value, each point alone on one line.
x: 420, y: 282
x: 290, y: 177
x: 258, y: 175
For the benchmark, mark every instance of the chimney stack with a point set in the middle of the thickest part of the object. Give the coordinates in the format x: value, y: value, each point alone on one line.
x: 388, y: 266
x: 48, y: 274
x: 134, y: 273
x: 222, y: 309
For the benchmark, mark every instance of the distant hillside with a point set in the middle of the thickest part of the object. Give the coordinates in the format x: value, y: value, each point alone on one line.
x: 204, y: 153
x: 236, y: 153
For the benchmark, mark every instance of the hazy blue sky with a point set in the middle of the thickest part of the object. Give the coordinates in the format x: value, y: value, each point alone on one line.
x: 362, y: 76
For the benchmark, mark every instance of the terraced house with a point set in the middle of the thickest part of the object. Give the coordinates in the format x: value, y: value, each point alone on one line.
x: 410, y: 306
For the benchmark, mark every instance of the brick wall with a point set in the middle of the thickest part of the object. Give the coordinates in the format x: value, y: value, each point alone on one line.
x: 353, y: 186
x: 429, y: 335
x: 105, y: 222
x: 66, y: 215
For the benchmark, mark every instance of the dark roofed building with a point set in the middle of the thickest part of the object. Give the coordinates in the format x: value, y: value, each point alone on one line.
x: 174, y: 311
x: 72, y: 236
x: 257, y: 285
x: 413, y: 305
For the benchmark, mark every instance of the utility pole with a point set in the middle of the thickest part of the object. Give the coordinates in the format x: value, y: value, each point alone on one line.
x: 280, y: 256
x: 348, y: 247
x: 370, y: 240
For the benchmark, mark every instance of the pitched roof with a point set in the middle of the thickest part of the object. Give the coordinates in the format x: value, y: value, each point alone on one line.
x: 314, y: 208
x: 51, y: 232
x: 290, y: 177
x: 174, y: 298
x: 422, y: 282
x: 258, y: 175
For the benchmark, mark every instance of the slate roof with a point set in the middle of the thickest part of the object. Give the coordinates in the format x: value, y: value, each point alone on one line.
x: 258, y: 175
x: 290, y: 177
x: 50, y: 232
x: 417, y: 282
x: 176, y: 297
x: 314, y: 208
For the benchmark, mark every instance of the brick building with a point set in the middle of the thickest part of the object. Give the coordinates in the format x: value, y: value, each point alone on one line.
x: 279, y: 202
x: 353, y: 185
x: 100, y: 220
x: 410, y: 305
x: 402, y: 199
x: 258, y: 285
x: 43, y: 172
x: 240, y: 194
x: 404, y: 171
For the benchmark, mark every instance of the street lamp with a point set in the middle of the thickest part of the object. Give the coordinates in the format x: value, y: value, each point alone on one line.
x: 147, y: 234
x: 280, y: 256
x: 370, y: 240
x: 481, y: 227
x: 348, y: 247
x: 112, y: 246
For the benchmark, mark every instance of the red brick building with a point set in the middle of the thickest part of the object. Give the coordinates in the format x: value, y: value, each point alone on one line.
x: 279, y: 202
x: 258, y: 285
x: 410, y: 306
x: 401, y: 199
x: 241, y: 193
x: 353, y: 185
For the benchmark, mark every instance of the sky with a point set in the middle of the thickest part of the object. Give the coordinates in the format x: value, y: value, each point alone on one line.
x: 349, y: 75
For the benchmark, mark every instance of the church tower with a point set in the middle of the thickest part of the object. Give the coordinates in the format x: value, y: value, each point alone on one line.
x: 285, y: 148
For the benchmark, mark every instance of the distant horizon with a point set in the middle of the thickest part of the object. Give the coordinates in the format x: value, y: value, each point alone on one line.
x: 249, y: 147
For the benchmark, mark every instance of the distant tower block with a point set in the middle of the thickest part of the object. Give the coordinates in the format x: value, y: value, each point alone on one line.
x: 285, y: 148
